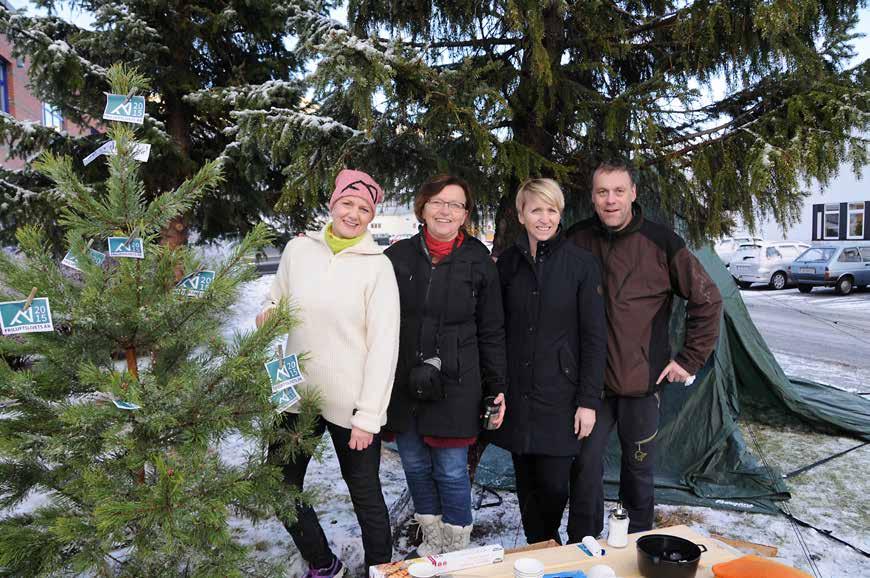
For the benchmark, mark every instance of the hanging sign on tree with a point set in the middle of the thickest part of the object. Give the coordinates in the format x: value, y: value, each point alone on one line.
x: 125, y: 108
x: 285, y: 398
x: 27, y: 316
x: 141, y: 152
x: 284, y: 374
x: 126, y: 247
x: 127, y: 405
x: 70, y: 261
x: 195, y: 285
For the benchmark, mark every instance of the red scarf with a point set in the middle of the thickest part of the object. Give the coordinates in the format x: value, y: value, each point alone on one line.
x: 438, y: 250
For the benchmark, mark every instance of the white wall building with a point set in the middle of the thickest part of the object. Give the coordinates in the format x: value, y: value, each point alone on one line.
x: 844, y: 188
x: 393, y: 219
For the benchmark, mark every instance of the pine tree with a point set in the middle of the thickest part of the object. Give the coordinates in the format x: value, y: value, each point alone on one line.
x: 205, y: 59
x: 499, y: 91
x: 139, y: 492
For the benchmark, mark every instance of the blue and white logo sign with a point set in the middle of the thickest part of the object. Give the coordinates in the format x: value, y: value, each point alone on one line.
x: 288, y: 375
x: 119, y: 107
x: 70, y: 261
x: 283, y: 399
x: 125, y: 405
x: 195, y: 285
x: 141, y: 152
x: 14, y: 318
x: 120, y: 247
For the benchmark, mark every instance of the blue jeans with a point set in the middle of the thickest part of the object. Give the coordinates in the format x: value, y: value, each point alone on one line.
x: 437, y: 478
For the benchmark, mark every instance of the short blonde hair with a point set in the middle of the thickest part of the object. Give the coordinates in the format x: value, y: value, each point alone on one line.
x: 547, y: 190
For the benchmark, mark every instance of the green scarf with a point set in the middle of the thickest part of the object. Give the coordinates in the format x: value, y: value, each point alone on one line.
x: 338, y: 244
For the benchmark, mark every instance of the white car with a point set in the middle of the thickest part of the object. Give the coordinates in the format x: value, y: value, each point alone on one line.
x: 726, y: 247
x: 765, y: 262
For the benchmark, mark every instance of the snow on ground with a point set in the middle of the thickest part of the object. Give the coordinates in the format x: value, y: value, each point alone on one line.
x: 830, y: 497
x: 840, y: 375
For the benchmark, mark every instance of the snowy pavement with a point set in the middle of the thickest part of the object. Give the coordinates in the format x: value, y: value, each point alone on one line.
x: 820, y: 336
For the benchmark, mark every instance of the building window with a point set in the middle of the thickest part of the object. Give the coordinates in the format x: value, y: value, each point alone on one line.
x: 832, y: 221
x: 4, y: 85
x: 51, y: 116
x: 856, y: 221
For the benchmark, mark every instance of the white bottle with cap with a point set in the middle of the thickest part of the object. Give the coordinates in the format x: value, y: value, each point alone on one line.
x: 617, y: 524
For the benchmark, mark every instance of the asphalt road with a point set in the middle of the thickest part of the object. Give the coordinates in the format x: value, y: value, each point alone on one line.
x: 816, y: 335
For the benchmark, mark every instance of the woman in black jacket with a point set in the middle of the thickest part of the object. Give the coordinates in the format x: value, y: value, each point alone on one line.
x: 557, y: 349
x: 452, y: 330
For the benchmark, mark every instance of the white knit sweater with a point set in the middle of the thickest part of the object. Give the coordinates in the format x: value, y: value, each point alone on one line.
x: 348, y: 307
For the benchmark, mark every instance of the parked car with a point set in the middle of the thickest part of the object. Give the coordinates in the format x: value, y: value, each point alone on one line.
x: 726, y: 247
x: 765, y: 262
x: 842, y: 267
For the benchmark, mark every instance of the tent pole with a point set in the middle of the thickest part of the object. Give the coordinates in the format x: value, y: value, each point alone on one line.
x: 799, y: 471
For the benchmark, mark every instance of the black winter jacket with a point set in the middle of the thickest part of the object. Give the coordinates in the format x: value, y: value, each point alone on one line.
x: 556, y: 341
x: 464, y: 289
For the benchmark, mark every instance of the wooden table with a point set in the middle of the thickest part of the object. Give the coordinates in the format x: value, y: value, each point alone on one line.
x: 622, y: 560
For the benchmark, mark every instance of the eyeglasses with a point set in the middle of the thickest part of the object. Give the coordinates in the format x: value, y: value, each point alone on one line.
x: 438, y: 204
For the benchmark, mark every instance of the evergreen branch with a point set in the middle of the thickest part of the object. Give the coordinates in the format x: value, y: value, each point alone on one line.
x: 17, y: 25
x: 171, y: 204
x: 470, y: 43
x: 304, y: 120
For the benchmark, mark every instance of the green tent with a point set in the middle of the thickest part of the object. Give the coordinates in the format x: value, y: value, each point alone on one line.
x: 702, y: 456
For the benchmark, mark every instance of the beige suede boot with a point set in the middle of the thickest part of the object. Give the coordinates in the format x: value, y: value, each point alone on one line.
x: 433, y: 539
x: 456, y: 537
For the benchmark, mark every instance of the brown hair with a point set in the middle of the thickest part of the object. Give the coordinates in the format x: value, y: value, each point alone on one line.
x: 434, y: 186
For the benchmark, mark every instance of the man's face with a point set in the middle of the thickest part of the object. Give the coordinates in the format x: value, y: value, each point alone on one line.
x: 612, y: 195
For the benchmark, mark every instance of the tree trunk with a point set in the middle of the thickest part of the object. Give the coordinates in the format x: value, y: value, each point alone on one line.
x: 530, y: 128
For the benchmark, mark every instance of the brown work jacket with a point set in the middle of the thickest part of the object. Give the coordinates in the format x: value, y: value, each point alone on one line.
x: 643, y: 266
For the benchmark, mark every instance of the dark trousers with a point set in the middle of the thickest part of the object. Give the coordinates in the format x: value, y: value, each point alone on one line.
x: 636, y: 420
x: 360, y: 470
x: 543, y: 484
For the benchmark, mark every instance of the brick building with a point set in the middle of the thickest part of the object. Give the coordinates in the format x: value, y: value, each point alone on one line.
x: 17, y: 100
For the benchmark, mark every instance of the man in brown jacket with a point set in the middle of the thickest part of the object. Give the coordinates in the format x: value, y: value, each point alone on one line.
x: 644, y: 264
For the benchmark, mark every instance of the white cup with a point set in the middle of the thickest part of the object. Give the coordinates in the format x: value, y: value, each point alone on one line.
x: 528, y: 568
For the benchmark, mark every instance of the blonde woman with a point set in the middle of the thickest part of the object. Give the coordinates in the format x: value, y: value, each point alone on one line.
x: 556, y: 349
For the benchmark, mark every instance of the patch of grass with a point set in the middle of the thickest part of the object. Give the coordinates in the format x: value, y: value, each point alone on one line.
x: 262, y: 546
x: 676, y: 517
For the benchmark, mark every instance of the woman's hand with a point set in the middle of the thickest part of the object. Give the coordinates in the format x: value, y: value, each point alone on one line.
x: 584, y: 421
x: 502, y: 407
x: 360, y: 439
x: 262, y: 316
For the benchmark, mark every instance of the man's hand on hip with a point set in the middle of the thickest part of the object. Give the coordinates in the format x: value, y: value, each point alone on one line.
x: 673, y: 372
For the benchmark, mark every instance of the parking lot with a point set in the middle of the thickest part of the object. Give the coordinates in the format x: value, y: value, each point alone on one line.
x: 821, y: 336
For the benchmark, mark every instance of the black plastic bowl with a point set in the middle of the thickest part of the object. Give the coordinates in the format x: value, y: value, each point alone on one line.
x: 663, y: 556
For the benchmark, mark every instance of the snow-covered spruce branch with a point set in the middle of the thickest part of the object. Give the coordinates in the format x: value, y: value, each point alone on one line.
x: 118, y: 16
x: 307, y: 121
x: 374, y: 50
x: 18, y: 194
x: 249, y: 95
x: 18, y: 26
x: 311, y: 25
